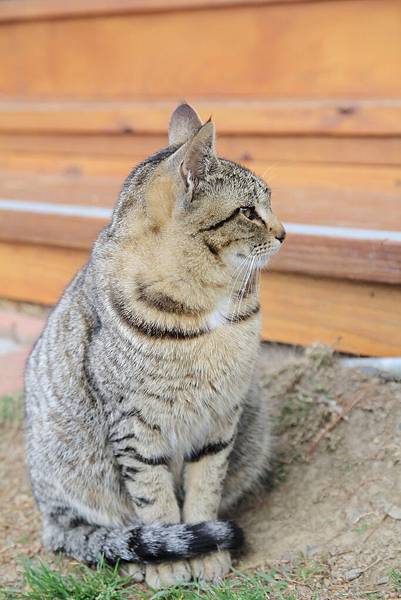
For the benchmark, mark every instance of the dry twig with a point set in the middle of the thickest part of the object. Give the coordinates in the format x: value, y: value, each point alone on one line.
x: 330, y: 426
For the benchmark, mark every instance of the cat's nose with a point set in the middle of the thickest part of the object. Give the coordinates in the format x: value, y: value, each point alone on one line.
x: 276, y: 229
x: 280, y: 234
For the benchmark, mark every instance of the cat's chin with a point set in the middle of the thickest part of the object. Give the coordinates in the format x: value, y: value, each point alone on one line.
x: 261, y: 261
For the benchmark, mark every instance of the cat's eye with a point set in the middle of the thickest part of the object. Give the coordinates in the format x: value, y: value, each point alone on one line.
x: 249, y: 212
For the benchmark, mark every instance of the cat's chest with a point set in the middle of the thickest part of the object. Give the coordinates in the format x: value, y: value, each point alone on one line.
x: 189, y: 383
x: 213, y: 368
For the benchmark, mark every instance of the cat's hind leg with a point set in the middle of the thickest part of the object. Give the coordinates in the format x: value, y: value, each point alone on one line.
x: 249, y: 461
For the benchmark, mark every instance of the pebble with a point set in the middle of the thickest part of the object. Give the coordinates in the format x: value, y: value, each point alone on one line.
x: 352, y: 574
x: 394, y: 512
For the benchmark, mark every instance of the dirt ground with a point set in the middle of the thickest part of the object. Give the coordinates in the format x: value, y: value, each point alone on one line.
x: 331, y: 520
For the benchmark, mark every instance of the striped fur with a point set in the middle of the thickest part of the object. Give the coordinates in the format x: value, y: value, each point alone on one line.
x: 144, y: 418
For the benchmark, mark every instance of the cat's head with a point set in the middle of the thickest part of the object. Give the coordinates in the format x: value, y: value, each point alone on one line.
x: 186, y: 214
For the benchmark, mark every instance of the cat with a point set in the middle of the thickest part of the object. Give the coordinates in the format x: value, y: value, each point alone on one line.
x: 144, y: 418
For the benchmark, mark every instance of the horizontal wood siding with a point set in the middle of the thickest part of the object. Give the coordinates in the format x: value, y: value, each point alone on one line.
x: 271, y: 51
x: 50, y: 9
x: 306, y: 93
x: 297, y: 308
x: 280, y: 117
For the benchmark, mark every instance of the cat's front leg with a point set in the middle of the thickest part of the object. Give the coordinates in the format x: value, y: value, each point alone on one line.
x: 150, y: 485
x: 204, y: 475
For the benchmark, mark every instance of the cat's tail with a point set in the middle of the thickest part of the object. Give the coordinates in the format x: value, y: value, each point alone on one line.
x: 142, y: 543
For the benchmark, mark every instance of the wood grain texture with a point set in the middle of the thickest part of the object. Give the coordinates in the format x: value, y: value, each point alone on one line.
x: 365, y: 260
x: 53, y: 9
x: 67, y: 188
x: 335, y: 50
x: 49, y: 230
x: 364, y: 197
x: 294, y: 149
x: 339, y: 117
x: 37, y: 273
x: 353, y: 317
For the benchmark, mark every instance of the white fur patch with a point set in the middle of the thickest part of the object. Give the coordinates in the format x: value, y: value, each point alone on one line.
x: 218, y: 316
x: 217, y: 529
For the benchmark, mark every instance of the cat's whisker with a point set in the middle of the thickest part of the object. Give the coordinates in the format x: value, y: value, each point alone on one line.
x: 237, y: 292
x: 257, y: 280
x: 244, y: 284
x: 241, y: 269
x: 238, y: 271
x: 242, y: 287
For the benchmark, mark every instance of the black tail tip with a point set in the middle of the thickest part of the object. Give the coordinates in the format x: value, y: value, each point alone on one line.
x: 216, y: 535
x: 237, y: 536
x: 158, y: 542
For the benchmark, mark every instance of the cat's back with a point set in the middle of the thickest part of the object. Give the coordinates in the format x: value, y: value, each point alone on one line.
x: 59, y: 350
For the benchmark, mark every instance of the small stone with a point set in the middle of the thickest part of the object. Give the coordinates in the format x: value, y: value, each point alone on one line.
x: 383, y: 580
x: 311, y: 550
x: 352, y: 574
x: 394, y: 512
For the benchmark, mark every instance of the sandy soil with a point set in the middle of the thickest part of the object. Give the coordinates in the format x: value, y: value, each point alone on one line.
x: 331, y: 521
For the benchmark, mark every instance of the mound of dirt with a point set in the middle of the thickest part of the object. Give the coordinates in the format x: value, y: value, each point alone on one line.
x: 330, y: 524
x: 335, y: 504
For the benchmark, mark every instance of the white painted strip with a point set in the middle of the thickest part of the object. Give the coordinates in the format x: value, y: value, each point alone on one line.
x: 64, y: 210
x: 96, y: 212
x: 391, y: 364
x: 344, y: 232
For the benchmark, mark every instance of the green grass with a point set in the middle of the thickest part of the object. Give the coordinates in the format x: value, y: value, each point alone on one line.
x: 395, y: 576
x: 259, y: 586
x: 105, y: 583
x: 43, y: 583
x: 11, y: 409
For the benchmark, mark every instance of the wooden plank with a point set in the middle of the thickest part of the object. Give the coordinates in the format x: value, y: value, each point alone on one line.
x: 37, y: 273
x: 53, y: 9
x: 75, y: 232
x: 312, y: 149
x: 364, y: 260
x: 339, y: 117
x: 348, y: 196
x: 163, y: 55
x: 70, y: 188
x: 380, y: 179
x: 335, y: 252
x: 353, y: 317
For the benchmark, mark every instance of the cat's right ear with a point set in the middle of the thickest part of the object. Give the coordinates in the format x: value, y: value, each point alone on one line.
x: 184, y: 123
x: 199, y: 152
x: 194, y: 160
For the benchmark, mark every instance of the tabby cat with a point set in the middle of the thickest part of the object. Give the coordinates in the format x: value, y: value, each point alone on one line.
x: 144, y: 417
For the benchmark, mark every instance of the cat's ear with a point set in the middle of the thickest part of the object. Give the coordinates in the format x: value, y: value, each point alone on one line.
x: 184, y: 123
x: 199, y: 154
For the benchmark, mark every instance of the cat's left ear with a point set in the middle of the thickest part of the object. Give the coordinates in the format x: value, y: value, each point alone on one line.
x: 184, y: 123
x: 199, y: 155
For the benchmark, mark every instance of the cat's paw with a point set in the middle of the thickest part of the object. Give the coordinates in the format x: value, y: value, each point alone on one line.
x: 211, y: 567
x: 135, y: 570
x: 167, y: 574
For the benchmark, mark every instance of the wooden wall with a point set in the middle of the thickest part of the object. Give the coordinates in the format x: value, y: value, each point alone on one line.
x: 306, y: 93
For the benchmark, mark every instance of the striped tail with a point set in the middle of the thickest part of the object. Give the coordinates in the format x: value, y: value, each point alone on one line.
x: 143, y: 543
